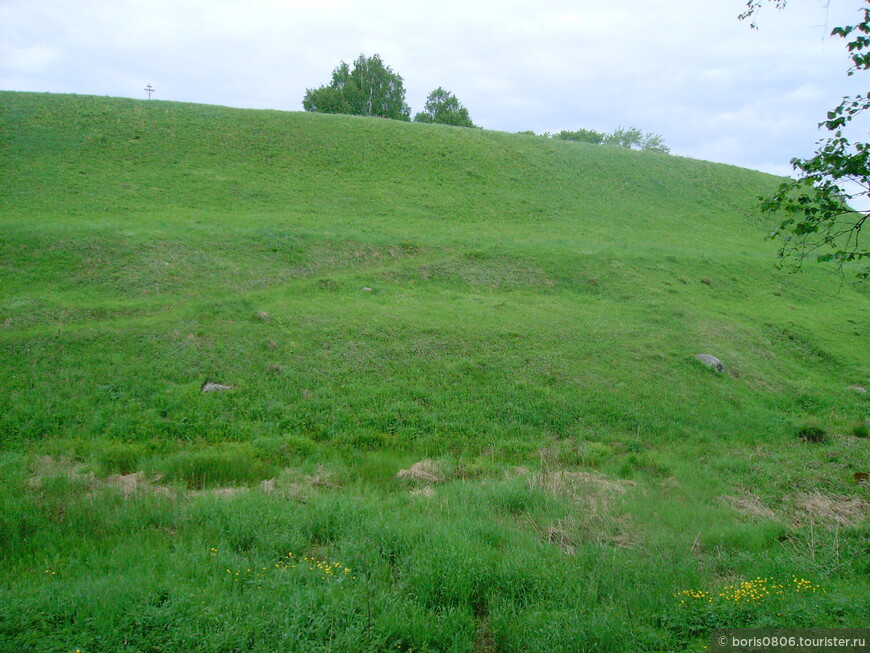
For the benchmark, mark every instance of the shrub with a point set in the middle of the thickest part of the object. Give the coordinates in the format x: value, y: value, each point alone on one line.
x: 581, y: 136
x: 812, y: 433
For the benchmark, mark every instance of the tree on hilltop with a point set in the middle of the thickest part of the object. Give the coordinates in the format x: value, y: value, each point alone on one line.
x: 815, y: 206
x: 634, y: 139
x: 631, y: 138
x: 370, y: 88
x: 654, y: 143
x: 444, y: 108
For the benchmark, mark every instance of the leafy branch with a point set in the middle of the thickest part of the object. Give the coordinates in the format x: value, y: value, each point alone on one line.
x: 818, y: 218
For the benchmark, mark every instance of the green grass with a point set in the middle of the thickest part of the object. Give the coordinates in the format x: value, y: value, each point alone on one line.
x: 523, y: 312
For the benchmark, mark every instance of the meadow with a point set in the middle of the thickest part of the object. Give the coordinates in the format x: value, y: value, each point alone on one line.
x: 465, y: 415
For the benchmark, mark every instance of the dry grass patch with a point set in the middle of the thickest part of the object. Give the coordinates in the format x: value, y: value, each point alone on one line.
x: 591, y: 488
x: 833, y: 509
x: 596, y: 496
x: 321, y: 478
x: 221, y: 492
x: 49, y: 467
x: 749, y: 504
x: 426, y: 471
x: 135, y: 483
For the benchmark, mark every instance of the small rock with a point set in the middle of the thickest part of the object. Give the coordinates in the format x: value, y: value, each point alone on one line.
x: 271, y: 344
x: 263, y: 315
x: 276, y: 368
x: 858, y: 389
x: 367, y: 289
x: 707, y: 282
x: 711, y: 362
x: 208, y: 386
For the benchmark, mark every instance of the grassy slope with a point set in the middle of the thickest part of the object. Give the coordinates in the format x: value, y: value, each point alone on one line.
x: 532, y: 303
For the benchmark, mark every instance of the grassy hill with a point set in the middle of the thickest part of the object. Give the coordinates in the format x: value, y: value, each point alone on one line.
x: 518, y: 316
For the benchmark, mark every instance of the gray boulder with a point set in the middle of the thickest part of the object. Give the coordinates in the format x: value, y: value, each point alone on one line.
x: 711, y: 362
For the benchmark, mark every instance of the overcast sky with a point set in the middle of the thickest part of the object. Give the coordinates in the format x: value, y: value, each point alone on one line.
x: 686, y: 69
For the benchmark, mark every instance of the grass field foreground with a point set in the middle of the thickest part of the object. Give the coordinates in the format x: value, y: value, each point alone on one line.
x: 466, y: 411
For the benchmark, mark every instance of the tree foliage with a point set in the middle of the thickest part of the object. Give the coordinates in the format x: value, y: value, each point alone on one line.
x: 654, y: 143
x: 444, y: 108
x: 370, y: 88
x: 635, y: 139
x: 581, y: 136
x: 814, y: 208
x: 631, y: 138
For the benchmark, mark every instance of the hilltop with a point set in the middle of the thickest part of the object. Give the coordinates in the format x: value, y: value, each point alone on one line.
x: 522, y: 313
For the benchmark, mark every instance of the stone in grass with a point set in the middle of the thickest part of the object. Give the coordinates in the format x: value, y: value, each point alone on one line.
x: 712, y: 362
x: 858, y: 389
x: 209, y: 386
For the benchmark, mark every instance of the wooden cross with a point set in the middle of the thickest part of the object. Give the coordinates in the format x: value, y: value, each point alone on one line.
x: 150, y: 90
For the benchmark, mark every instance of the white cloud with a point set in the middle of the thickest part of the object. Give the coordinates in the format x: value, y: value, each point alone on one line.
x: 29, y: 60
